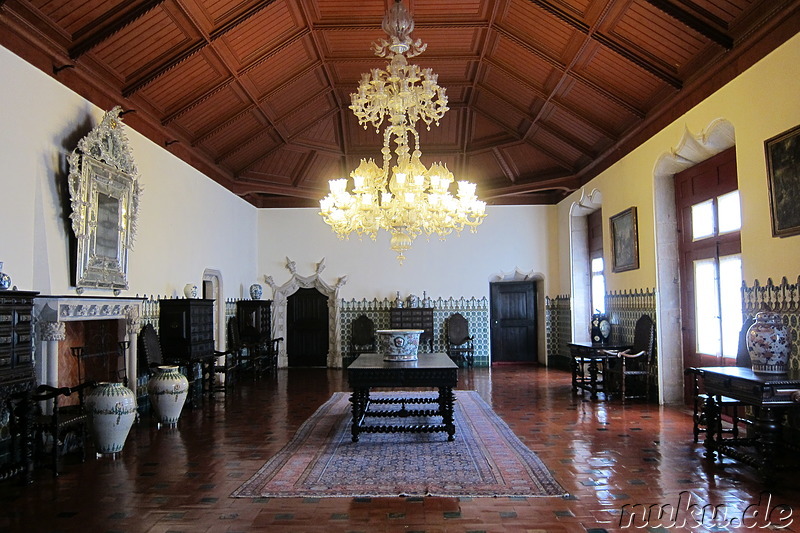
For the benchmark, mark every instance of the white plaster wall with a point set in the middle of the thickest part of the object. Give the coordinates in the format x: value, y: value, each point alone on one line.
x: 511, y: 237
x: 187, y: 222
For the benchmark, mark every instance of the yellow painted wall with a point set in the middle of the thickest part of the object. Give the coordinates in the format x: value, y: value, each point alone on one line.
x: 760, y: 103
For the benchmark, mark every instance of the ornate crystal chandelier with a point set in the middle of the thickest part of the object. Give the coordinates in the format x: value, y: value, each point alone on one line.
x: 404, y: 198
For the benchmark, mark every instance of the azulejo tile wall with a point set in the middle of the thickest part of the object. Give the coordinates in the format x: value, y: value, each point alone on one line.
x: 475, y: 310
x: 783, y: 299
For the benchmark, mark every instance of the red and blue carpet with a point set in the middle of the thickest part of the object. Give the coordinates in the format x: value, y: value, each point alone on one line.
x: 485, y: 459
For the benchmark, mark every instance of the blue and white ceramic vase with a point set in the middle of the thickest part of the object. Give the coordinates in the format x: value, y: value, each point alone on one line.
x: 167, y: 392
x: 256, y: 291
x: 111, y: 408
x: 5, y: 279
x: 768, y: 344
x: 190, y: 290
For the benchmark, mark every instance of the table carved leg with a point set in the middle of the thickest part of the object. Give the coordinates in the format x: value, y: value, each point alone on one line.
x: 713, y: 427
x: 768, y: 431
x: 446, y: 403
x: 593, y: 372
x: 360, y: 401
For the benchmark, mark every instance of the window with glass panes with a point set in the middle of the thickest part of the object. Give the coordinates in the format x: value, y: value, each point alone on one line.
x: 711, y: 265
x: 596, y: 266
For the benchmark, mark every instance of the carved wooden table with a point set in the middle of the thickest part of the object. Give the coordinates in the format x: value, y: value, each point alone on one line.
x: 430, y: 370
x: 771, y: 394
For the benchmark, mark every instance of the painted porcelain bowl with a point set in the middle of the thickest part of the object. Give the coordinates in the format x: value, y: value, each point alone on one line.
x: 399, y: 344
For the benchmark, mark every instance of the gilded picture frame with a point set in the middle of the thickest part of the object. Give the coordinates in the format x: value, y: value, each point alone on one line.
x: 624, y: 240
x: 783, y: 178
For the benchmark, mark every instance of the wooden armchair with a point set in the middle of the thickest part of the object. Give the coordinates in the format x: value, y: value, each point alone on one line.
x: 54, y: 428
x: 460, y: 344
x: 630, y: 373
x: 362, y: 338
x: 258, y: 351
x: 151, y: 357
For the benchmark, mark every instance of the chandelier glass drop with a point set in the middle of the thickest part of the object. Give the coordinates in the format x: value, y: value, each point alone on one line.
x: 402, y: 196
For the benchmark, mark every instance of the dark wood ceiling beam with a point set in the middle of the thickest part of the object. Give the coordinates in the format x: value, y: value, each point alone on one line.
x: 253, y: 139
x: 197, y: 101
x: 203, y: 136
x: 240, y: 19
x: 152, y: 75
x: 700, y: 26
x: 535, y: 123
x: 610, y: 43
x: 108, y: 25
x: 568, y: 165
x: 155, y: 73
x: 554, y: 101
x: 326, y: 69
x: 287, y: 142
x: 504, y: 165
x: 243, y: 187
x: 567, y: 182
x: 566, y: 70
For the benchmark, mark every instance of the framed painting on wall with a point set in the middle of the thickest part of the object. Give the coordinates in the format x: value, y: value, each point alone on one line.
x: 783, y: 177
x: 624, y: 240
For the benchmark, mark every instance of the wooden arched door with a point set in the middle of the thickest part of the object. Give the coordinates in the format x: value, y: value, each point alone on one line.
x: 307, y: 328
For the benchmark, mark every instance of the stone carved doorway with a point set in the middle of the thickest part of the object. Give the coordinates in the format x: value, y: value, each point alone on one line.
x: 280, y: 302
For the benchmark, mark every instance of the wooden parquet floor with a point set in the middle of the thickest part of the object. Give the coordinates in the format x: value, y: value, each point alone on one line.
x: 616, y: 461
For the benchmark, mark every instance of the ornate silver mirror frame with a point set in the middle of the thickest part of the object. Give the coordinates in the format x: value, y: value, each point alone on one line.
x: 104, y: 193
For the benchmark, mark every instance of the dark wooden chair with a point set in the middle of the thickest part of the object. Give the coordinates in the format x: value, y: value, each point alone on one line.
x: 151, y: 357
x: 631, y: 371
x: 362, y: 338
x: 258, y: 352
x: 55, y: 427
x: 460, y: 344
x: 729, y: 406
x: 226, y: 363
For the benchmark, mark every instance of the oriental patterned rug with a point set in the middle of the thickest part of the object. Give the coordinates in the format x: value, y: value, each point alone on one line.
x: 485, y: 459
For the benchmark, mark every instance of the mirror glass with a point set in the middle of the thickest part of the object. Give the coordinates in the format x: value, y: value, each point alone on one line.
x: 104, y: 195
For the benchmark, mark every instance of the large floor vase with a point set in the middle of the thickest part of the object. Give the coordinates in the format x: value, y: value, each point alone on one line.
x: 112, y: 409
x: 167, y: 391
x: 768, y: 344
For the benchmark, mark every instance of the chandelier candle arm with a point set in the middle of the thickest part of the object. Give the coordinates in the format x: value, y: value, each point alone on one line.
x: 405, y: 199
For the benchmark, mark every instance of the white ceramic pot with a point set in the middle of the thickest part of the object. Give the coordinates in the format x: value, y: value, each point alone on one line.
x: 167, y: 392
x: 111, y: 408
x: 399, y: 344
x: 190, y: 290
x: 768, y: 344
x: 256, y: 291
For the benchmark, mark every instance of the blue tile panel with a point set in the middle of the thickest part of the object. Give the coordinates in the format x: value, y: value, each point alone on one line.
x: 475, y: 310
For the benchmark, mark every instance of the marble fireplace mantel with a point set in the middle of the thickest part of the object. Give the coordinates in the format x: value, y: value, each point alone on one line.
x: 52, y: 312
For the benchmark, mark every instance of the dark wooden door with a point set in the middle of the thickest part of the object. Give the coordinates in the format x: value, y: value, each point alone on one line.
x: 513, y: 319
x: 307, y: 328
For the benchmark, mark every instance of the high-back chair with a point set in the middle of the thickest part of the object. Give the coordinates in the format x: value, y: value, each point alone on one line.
x: 53, y: 428
x: 362, y: 338
x: 152, y: 357
x: 631, y: 371
x: 460, y: 344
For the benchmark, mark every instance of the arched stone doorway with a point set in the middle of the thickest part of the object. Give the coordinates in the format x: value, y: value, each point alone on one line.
x: 279, y: 304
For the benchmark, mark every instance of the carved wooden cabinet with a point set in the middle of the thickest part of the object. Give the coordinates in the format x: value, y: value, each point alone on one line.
x: 414, y: 318
x: 255, y: 319
x: 16, y: 382
x: 186, y: 329
x: 16, y: 337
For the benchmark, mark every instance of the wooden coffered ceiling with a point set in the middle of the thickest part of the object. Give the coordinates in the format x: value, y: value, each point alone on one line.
x: 544, y: 94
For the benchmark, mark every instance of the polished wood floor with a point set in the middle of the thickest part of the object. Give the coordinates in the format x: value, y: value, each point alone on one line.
x: 610, y: 458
